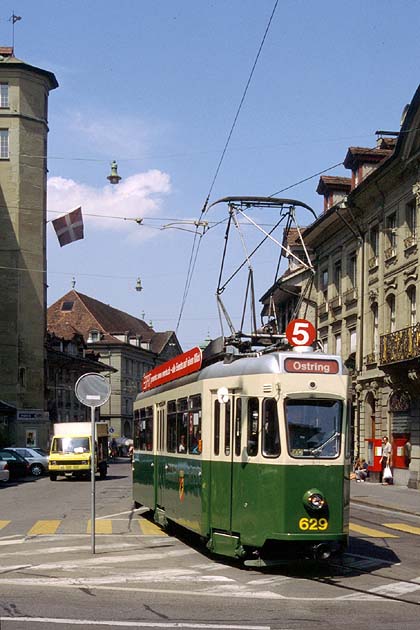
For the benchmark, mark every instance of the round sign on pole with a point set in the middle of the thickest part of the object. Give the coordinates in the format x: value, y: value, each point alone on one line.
x: 93, y: 390
x: 300, y: 332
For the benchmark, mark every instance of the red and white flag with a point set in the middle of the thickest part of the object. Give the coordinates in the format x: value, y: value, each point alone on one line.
x: 69, y: 228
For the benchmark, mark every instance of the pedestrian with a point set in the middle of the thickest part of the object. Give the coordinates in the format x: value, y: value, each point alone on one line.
x: 385, y: 461
x: 361, y: 470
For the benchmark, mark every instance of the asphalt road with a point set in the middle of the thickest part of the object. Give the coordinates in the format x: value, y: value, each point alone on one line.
x: 140, y: 577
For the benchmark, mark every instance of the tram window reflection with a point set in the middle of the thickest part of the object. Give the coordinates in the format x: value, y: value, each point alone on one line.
x: 238, y: 426
x: 253, y: 426
x: 194, y: 425
x: 314, y: 427
x: 182, y: 423
x: 271, y: 436
x: 227, y: 426
x: 146, y: 429
x: 171, y: 443
x: 216, y: 445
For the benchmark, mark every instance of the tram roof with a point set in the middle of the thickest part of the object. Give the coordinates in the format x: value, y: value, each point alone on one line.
x: 270, y: 363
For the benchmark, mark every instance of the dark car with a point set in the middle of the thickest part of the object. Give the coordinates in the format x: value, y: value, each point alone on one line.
x: 18, y: 465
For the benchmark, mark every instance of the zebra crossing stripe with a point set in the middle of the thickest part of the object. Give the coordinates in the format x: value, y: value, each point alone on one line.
x: 4, y: 524
x: 403, y: 527
x: 150, y: 529
x: 44, y: 527
x: 369, y: 532
x: 102, y: 526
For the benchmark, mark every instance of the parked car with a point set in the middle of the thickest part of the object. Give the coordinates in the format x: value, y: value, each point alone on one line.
x: 18, y: 466
x: 37, y: 458
x: 4, y: 471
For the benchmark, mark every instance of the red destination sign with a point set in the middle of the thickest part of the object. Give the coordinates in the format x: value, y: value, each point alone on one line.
x: 181, y: 365
x: 311, y: 366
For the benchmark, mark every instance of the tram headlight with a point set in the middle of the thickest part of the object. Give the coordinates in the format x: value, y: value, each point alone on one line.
x: 314, y: 499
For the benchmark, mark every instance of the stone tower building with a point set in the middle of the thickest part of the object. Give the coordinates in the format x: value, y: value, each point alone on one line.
x: 24, y: 91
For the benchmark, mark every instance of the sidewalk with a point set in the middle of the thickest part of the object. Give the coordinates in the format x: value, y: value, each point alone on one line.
x: 396, y: 498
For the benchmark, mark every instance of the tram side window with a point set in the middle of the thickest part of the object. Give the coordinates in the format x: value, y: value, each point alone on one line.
x: 227, y: 427
x: 171, y: 443
x: 182, y: 424
x: 146, y: 429
x: 216, y: 445
x: 238, y: 426
x: 270, y: 436
x: 195, y: 444
x: 253, y: 424
x: 136, y: 432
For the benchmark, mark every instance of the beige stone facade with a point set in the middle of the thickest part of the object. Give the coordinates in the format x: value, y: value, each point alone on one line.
x: 365, y: 248
x: 24, y: 92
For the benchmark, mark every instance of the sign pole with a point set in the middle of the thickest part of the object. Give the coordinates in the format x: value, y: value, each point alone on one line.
x: 92, y: 475
x: 92, y: 390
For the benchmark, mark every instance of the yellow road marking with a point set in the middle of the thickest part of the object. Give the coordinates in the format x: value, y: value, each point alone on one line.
x: 149, y: 529
x: 371, y: 533
x: 402, y: 527
x: 3, y: 524
x: 44, y: 527
x: 102, y: 526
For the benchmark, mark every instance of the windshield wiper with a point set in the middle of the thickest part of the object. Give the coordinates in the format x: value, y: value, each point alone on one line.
x: 320, y: 448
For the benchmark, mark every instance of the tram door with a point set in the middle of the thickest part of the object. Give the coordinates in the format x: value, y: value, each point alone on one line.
x: 160, y: 460
x: 226, y: 453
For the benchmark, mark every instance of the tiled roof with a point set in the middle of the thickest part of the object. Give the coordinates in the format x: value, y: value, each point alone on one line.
x: 357, y: 155
x: 89, y: 314
x: 328, y: 182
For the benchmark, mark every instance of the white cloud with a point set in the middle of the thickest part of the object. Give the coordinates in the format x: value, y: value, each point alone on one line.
x: 138, y: 196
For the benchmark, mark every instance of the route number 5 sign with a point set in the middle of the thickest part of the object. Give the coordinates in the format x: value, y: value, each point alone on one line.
x: 300, y: 332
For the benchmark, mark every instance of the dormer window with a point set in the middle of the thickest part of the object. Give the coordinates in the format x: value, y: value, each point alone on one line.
x: 4, y: 95
x: 94, y: 336
x: 67, y: 306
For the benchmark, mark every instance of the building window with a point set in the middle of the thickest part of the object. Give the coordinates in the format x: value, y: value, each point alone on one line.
x: 374, y: 240
x: 4, y: 144
x: 337, y: 277
x: 352, y: 270
x: 411, y: 217
x: 391, y: 225
x: 375, y: 328
x: 324, y: 283
x: 391, y: 313
x: 67, y: 306
x: 324, y: 343
x: 411, y: 294
x: 94, y: 336
x: 4, y: 95
x: 337, y: 343
x: 353, y: 340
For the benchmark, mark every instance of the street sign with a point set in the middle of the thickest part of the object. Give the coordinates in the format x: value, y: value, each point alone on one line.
x: 300, y: 332
x: 93, y: 390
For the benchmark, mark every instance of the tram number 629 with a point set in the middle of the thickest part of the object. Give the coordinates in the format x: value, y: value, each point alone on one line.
x: 313, y: 524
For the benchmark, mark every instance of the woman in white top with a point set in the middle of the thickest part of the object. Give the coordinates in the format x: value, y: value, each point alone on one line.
x: 386, y: 457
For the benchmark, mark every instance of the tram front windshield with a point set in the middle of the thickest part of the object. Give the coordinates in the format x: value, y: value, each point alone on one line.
x: 313, y: 427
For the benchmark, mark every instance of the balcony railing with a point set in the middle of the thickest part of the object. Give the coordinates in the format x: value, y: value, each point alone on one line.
x: 400, y: 345
x: 410, y: 241
x: 335, y: 303
x: 371, y: 358
x: 389, y: 253
x: 350, y: 296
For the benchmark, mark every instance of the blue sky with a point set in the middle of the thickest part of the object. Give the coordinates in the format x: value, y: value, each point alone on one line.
x: 156, y: 85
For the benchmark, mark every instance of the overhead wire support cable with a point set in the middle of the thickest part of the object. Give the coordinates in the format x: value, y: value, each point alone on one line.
x: 191, y: 267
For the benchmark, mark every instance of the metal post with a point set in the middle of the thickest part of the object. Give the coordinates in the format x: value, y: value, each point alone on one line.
x: 92, y: 472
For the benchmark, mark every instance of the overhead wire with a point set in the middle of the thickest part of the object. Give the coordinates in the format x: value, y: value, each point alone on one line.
x: 195, y: 248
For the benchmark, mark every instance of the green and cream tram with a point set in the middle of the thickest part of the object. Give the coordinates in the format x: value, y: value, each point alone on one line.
x: 252, y: 453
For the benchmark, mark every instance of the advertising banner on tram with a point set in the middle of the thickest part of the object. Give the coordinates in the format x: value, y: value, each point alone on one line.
x: 181, y: 365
